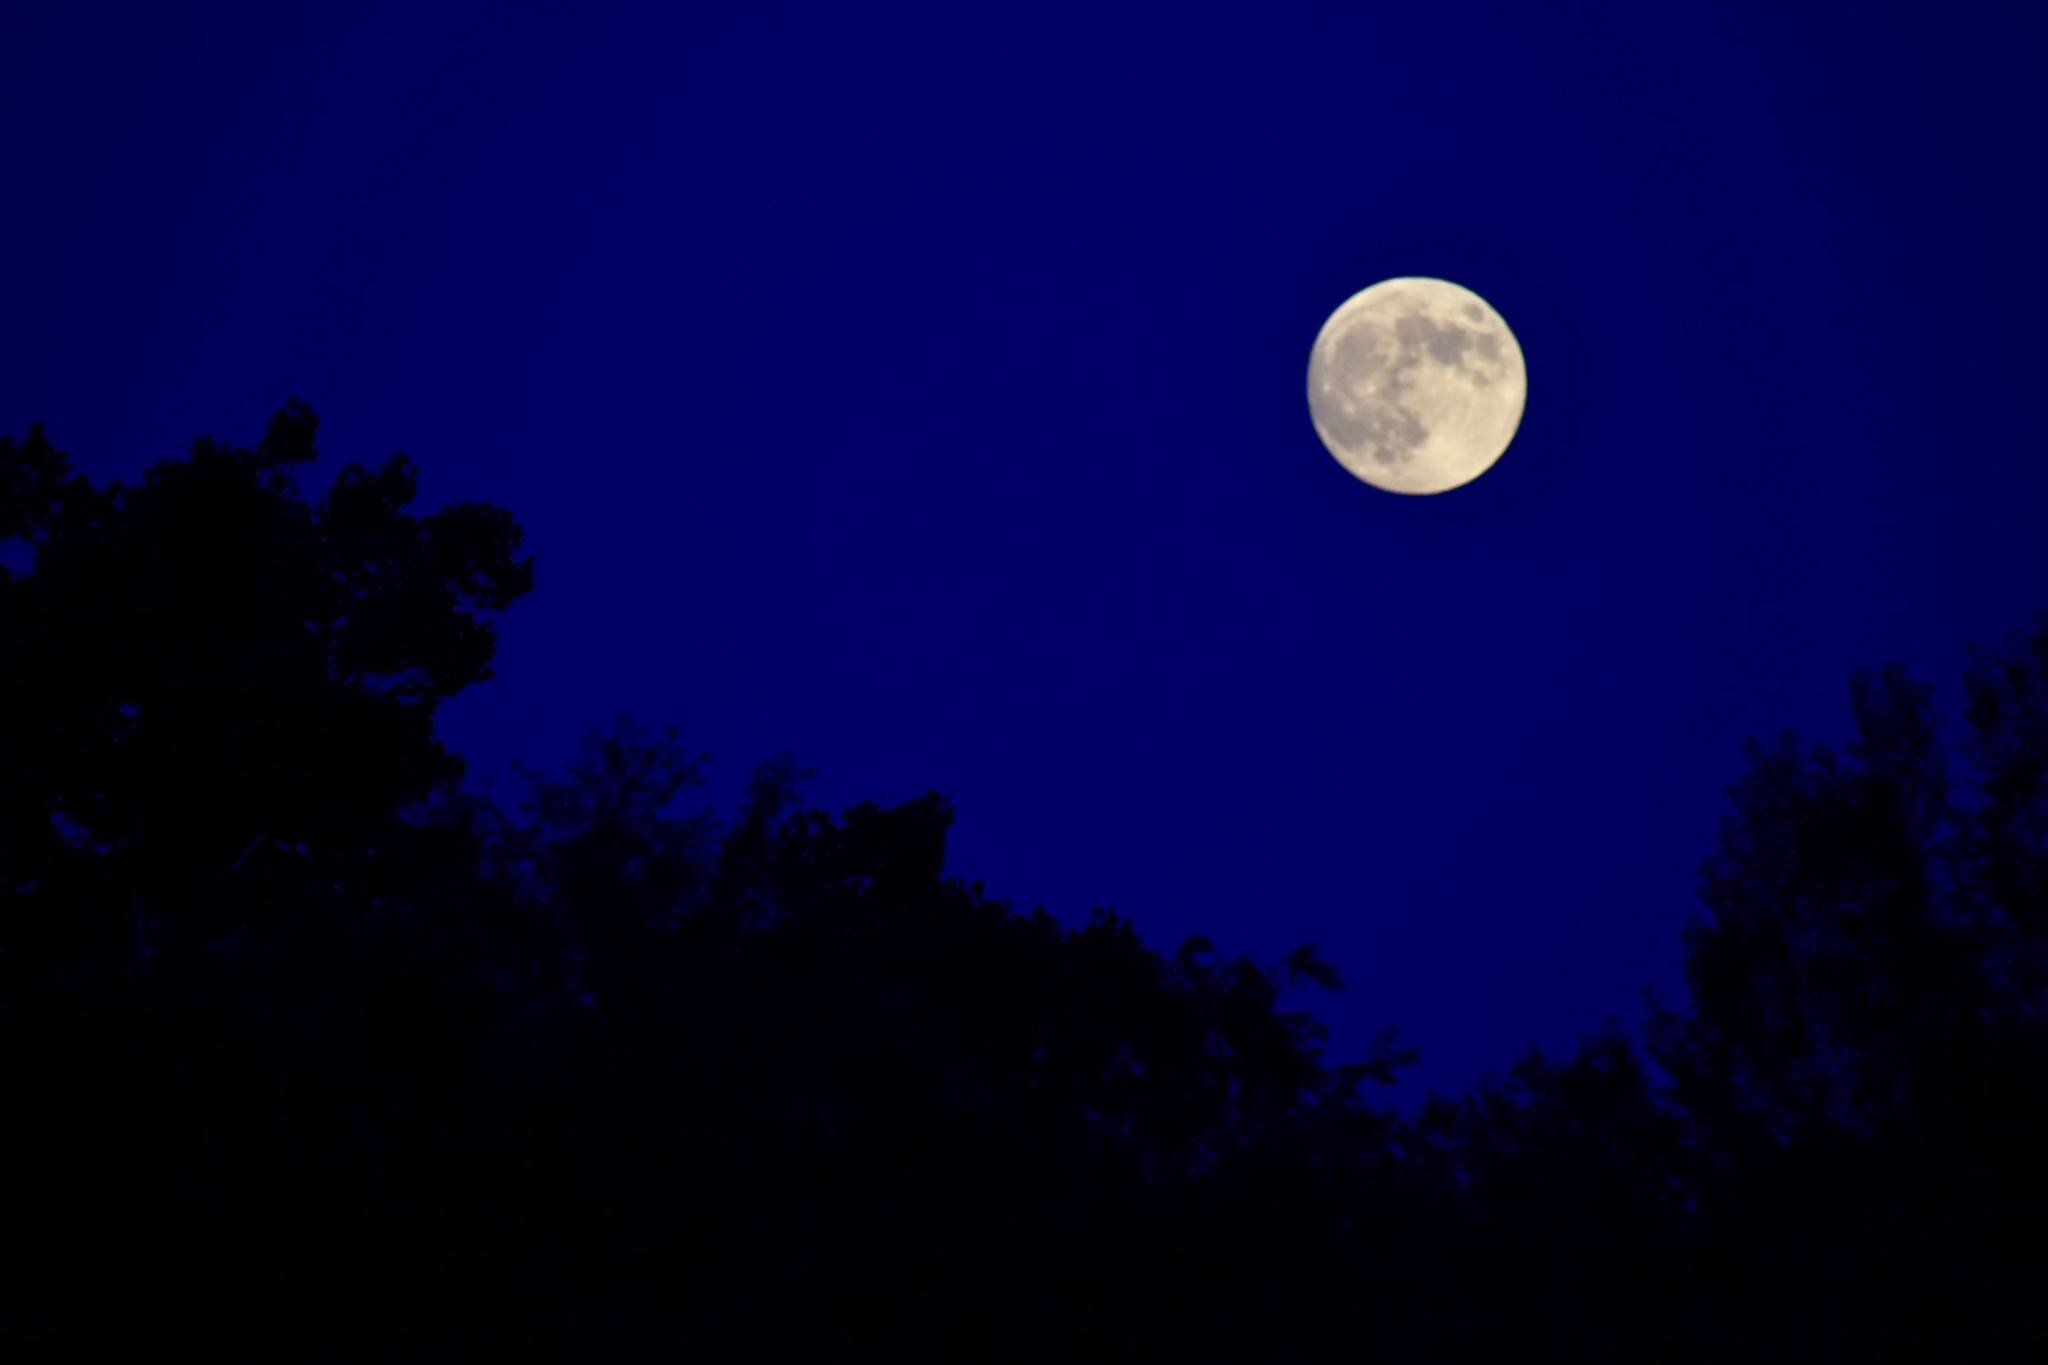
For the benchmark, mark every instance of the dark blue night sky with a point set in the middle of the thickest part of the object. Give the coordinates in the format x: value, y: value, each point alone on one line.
x: 922, y: 393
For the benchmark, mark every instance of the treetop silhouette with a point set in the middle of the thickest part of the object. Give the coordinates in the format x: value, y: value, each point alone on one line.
x: 315, y: 1053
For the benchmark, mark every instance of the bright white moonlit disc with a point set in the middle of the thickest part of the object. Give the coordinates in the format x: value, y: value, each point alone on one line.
x: 1416, y: 385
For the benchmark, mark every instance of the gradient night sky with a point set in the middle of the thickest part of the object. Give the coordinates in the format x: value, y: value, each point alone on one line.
x: 923, y: 393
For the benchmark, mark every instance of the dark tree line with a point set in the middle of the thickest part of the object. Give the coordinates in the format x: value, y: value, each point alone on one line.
x: 310, y: 1052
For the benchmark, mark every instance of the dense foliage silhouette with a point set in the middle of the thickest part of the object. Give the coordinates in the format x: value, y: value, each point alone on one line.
x: 314, y: 1053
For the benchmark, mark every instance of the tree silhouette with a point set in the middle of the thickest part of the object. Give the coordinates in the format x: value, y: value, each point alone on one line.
x: 219, y: 704
x: 1863, y: 1069
x: 222, y: 698
x: 313, y: 1053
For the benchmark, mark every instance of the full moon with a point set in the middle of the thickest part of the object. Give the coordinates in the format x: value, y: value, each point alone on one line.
x: 1416, y: 385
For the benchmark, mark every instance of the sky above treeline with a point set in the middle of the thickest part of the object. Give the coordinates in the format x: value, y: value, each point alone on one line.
x: 922, y: 393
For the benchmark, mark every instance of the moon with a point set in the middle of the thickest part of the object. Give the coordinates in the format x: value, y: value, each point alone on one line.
x: 1416, y: 385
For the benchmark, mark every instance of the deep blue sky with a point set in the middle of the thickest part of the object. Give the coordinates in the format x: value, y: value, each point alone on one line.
x: 923, y: 393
